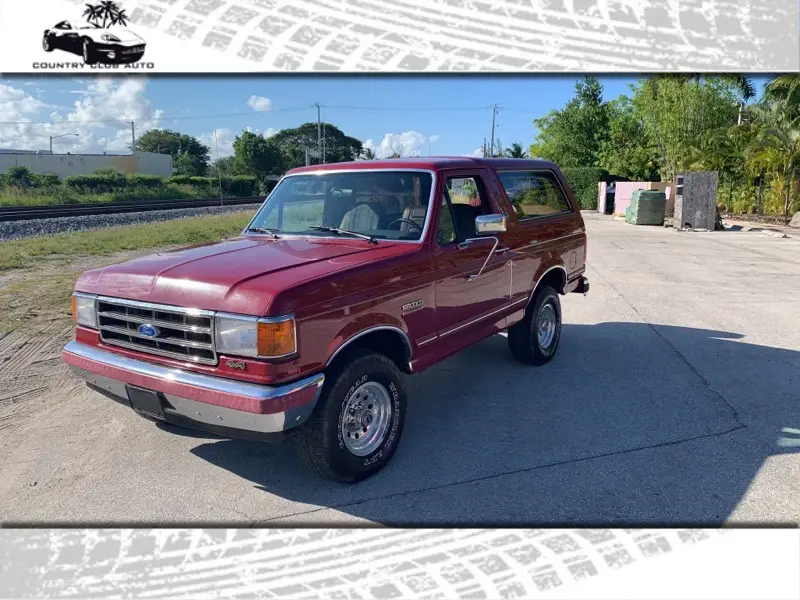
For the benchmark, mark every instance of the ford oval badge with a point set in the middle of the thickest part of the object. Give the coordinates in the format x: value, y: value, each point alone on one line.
x: 148, y: 330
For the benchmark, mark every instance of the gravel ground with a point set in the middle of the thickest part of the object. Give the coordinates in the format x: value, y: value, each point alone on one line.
x: 10, y: 230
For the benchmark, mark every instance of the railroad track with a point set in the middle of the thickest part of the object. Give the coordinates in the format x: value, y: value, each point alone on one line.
x: 25, y: 213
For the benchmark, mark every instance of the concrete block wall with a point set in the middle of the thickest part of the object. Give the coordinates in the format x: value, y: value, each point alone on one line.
x: 64, y: 165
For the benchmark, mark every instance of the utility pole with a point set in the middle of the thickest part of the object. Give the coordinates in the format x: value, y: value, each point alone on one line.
x: 324, y: 141
x: 219, y: 169
x: 319, y: 131
x: 484, y: 147
x: 494, y: 115
x: 133, y: 135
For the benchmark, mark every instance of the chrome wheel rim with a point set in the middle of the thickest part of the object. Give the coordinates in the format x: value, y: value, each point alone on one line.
x: 366, y: 418
x: 45, y: 43
x: 546, y: 326
x: 85, y: 52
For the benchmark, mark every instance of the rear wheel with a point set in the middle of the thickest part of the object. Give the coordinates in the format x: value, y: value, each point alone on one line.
x: 357, y: 423
x: 534, y: 340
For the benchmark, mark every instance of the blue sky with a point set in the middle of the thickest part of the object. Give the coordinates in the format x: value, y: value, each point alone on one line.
x: 443, y: 115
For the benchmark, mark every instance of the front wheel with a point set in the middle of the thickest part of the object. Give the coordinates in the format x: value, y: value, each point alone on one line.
x: 47, y: 43
x: 357, y: 423
x: 89, y: 54
x: 534, y: 340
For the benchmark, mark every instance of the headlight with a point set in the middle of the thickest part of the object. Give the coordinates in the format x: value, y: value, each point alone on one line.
x: 83, y: 310
x: 107, y: 37
x: 269, y: 337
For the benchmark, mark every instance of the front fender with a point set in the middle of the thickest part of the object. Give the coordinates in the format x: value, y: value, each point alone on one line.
x: 364, y: 325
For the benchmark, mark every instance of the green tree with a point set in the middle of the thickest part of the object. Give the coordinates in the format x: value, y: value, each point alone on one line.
x: 189, y: 155
x: 678, y: 110
x: 258, y: 156
x: 294, y: 142
x: 573, y: 136
x: 368, y: 154
x: 777, y: 148
x: 227, y: 166
x: 627, y: 150
x: 516, y: 151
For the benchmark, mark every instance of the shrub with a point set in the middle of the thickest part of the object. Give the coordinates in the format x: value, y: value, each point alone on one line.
x: 45, y: 180
x: 242, y: 186
x: 145, y: 181
x: 18, y: 177
x: 583, y: 182
x: 95, y: 183
x: 180, y: 179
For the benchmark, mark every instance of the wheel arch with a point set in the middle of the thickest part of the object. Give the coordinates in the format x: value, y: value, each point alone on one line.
x: 555, y: 276
x: 389, y: 340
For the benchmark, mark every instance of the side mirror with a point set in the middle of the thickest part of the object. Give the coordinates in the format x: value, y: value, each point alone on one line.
x: 489, y: 224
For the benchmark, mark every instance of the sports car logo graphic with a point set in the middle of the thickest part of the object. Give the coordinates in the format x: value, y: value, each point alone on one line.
x: 102, y: 37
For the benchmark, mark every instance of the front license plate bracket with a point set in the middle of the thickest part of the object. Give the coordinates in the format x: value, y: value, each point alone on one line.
x: 146, y: 402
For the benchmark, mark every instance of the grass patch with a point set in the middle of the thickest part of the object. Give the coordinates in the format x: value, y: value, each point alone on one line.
x: 27, y: 252
x: 63, y: 195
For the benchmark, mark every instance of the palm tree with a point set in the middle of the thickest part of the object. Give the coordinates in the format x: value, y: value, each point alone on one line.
x: 368, y: 154
x: 121, y: 18
x: 777, y: 148
x: 92, y: 14
x: 516, y: 151
x: 109, y: 11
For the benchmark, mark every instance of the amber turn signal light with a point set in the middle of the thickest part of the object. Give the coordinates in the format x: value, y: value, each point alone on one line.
x: 73, y: 308
x: 276, y: 338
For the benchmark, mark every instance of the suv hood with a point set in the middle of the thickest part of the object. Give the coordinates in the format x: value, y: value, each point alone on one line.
x: 216, y: 276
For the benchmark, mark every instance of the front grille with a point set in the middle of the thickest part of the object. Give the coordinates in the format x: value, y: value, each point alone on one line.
x: 134, y: 50
x: 180, y: 333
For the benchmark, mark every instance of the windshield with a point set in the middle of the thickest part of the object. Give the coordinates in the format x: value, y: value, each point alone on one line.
x: 380, y: 204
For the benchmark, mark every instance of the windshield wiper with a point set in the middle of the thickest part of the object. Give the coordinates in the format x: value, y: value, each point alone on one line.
x: 269, y: 230
x: 338, y: 231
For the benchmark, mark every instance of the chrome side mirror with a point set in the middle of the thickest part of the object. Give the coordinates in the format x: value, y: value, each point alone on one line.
x: 489, y: 224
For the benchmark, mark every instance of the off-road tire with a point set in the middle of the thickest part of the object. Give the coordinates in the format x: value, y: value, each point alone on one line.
x: 319, y: 441
x: 522, y: 337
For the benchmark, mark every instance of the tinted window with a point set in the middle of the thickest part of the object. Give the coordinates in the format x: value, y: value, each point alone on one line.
x: 534, y: 194
x: 391, y: 204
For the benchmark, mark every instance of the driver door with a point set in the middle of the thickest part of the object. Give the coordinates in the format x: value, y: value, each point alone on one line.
x: 473, y: 278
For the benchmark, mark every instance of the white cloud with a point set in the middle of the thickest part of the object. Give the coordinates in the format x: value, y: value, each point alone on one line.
x: 224, y: 141
x: 477, y: 153
x: 408, y: 143
x: 98, y: 116
x: 259, y: 103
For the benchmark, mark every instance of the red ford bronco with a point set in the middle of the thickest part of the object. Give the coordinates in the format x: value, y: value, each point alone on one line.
x: 348, y: 276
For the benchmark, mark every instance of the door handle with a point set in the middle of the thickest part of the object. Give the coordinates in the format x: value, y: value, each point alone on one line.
x: 501, y: 251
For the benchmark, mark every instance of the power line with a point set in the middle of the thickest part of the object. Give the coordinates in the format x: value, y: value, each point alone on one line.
x: 160, y: 118
x: 410, y: 108
x: 317, y: 106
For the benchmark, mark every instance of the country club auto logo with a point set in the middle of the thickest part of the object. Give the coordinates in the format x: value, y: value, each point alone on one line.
x: 100, y: 37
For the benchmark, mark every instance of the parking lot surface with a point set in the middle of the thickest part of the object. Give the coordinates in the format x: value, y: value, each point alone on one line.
x: 674, y: 399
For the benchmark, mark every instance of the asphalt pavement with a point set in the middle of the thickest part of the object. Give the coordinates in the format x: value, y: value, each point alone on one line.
x: 674, y: 399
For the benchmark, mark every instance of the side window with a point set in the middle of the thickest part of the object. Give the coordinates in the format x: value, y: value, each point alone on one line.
x: 464, y: 190
x: 446, y: 232
x: 534, y: 193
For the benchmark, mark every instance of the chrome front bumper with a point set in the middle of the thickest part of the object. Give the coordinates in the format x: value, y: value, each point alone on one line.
x: 222, y: 406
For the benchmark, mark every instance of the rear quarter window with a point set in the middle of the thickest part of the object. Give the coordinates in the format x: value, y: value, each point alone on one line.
x: 534, y: 193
